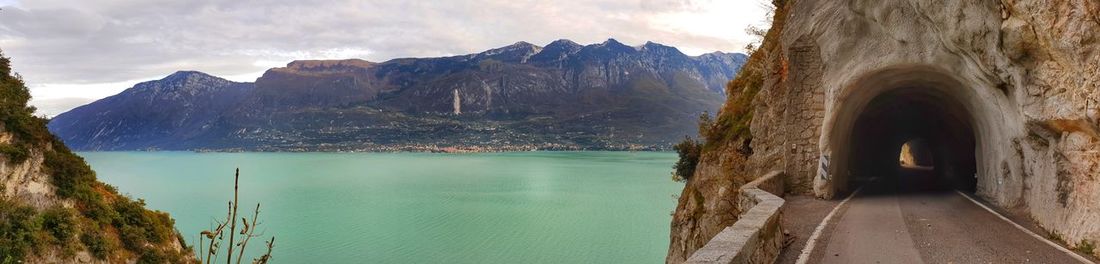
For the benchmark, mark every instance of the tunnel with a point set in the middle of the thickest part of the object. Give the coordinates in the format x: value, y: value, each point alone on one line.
x: 936, y: 129
x: 916, y: 111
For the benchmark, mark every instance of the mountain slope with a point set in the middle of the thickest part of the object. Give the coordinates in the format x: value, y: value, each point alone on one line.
x: 52, y: 208
x: 152, y: 113
x: 521, y: 96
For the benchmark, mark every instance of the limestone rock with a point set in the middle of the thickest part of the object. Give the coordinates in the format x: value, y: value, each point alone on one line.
x: 1022, y: 74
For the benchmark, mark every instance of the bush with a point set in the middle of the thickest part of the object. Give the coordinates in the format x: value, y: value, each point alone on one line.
x: 71, y: 175
x: 98, y: 210
x: 17, y: 230
x: 1086, y: 247
x: 133, y: 237
x: 15, y: 154
x: 138, y: 226
x: 689, y: 151
x: 98, y: 245
x: 706, y: 125
x: 152, y: 257
x: 60, y: 224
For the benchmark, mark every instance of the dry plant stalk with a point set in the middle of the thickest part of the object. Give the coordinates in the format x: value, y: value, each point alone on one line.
x: 267, y: 256
x: 233, y: 223
x: 248, y: 230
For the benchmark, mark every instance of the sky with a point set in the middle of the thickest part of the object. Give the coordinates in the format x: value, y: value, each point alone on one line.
x: 71, y: 53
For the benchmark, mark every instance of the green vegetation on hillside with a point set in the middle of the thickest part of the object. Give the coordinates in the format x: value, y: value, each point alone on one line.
x: 736, y: 114
x: 17, y: 231
x: 102, y: 217
x: 731, y: 127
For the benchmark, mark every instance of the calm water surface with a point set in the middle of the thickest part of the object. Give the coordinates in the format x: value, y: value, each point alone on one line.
x: 533, y: 207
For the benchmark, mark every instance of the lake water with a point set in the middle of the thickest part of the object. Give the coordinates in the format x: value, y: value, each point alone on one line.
x: 531, y: 207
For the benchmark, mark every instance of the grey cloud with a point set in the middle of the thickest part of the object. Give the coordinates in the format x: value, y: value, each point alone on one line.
x: 95, y: 41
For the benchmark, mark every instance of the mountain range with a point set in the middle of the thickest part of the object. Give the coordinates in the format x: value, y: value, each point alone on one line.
x: 562, y: 96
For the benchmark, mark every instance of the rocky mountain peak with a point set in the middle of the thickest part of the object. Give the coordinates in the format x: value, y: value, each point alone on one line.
x: 651, y: 46
x: 182, y: 80
x: 563, y: 44
x: 188, y: 75
x: 608, y: 48
x: 557, y: 50
x: 518, y: 52
x: 522, y: 45
x: 614, y: 45
x: 719, y: 56
x: 182, y: 85
x: 612, y: 42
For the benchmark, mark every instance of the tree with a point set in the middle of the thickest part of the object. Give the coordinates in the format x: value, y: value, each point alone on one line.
x: 689, y: 151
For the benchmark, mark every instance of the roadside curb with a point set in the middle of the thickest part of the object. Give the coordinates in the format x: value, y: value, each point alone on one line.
x: 812, y: 241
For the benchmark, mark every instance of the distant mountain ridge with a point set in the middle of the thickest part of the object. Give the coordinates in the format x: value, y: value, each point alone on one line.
x: 521, y: 96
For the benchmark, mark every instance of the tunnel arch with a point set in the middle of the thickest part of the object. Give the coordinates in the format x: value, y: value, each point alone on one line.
x: 876, y: 113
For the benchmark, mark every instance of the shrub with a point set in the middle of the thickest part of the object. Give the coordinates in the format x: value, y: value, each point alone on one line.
x: 98, y: 210
x: 160, y: 226
x: 1086, y: 247
x: 70, y: 174
x: 706, y: 125
x: 60, y: 224
x: 98, y: 245
x: 138, y: 225
x: 152, y: 257
x: 133, y: 237
x: 14, y: 153
x: 689, y: 151
x: 17, y: 230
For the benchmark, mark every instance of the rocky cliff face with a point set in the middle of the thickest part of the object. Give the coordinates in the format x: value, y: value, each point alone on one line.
x: 1014, y: 79
x: 564, y: 95
x: 52, y: 209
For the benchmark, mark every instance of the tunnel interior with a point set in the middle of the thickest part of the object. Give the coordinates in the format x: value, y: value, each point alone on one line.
x: 929, y: 128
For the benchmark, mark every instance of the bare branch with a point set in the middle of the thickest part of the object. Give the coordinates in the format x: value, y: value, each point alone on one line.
x: 248, y: 231
x: 233, y: 222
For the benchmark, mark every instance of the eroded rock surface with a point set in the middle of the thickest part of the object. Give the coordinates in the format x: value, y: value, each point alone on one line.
x: 1024, y: 73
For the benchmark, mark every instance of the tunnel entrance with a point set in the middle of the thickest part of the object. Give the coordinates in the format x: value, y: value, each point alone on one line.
x: 913, y: 126
x: 932, y: 130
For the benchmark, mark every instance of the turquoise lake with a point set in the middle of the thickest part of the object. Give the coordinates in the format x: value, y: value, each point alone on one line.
x: 530, y: 207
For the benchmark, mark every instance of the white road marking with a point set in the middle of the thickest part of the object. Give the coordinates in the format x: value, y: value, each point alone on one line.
x: 812, y: 241
x: 1021, y: 228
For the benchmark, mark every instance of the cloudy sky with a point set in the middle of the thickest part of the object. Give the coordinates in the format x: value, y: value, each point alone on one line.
x: 73, y: 52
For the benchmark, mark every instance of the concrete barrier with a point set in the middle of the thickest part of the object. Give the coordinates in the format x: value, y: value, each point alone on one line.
x: 756, y: 237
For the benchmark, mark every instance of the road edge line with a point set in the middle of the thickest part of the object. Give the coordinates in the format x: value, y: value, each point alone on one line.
x: 811, y: 242
x: 1027, y: 231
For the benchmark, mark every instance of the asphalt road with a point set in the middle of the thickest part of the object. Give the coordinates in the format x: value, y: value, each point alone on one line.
x: 890, y: 222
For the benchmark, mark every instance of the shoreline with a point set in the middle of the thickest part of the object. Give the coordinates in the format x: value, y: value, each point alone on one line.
x: 378, y: 152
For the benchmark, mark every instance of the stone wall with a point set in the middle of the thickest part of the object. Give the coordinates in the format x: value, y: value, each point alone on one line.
x: 757, y: 237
